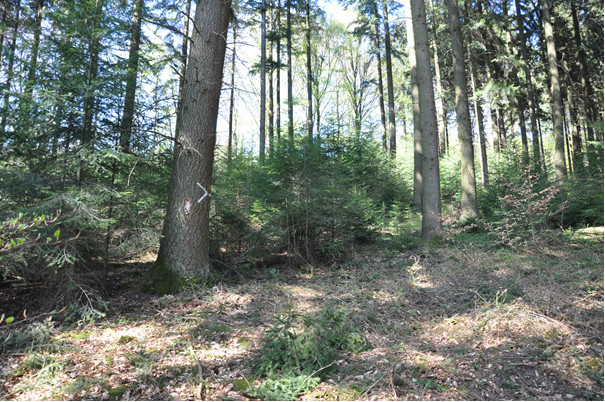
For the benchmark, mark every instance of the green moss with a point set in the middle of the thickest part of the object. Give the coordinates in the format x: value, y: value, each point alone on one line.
x: 161, y: 280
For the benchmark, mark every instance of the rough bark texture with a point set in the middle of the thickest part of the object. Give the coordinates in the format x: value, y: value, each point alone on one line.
x: 184, y: 248
x: 183, y: 71
x: 431, y: 191
x: 555, y: 94
x: 463, y: 118
x: 417, y: 124
x: 131, y: 77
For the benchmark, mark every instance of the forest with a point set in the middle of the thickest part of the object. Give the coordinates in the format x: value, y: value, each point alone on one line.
x: 301, y: 199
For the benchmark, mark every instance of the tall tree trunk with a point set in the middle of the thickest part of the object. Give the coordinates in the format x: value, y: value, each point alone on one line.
x: 2, y: 31
x: 587, y: 92
x: 309, y: 71
x: 263, y: 79
x: 529, y: 86
x: 479, y: 116
x: 278, y: 74
x: 131, y: 76
x: 431, y: 192
x: 33, y: 62
x: 271, y: 113
x: 465, y: 131
x: 94, y: 42
x: 390, y: 89
x: 10, y: 73
x: 184, y: 249
x: 183, y: 70
x: 555, y: 93
x: 290, y: 96
x: 520, y: 99
x: 417, y: 121
x: 232, y: 89
x: 383, y: 116
x: 439, y: 88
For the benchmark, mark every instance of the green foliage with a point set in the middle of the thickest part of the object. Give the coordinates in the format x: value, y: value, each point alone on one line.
x: 308, y: 345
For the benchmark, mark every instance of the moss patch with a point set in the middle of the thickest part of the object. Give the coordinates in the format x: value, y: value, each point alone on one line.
x: 160, y: 280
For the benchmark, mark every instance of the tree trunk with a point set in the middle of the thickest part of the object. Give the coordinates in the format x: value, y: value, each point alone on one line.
x: 263, y: 79
x: 271, y: 113
x: 131, y: 77
x: 309, y: 71
x: 290, y: 95
x: 465, y: 131
x: 10, y: 73
x: 417, y: 122
x: 278, y: 74
x: 431, y: 192
x: 184, y: 249
x: 555, y: 94
x: 528, y: 84
x: 383, y: 116
x: 439, y: 98
x: 232, y: 89
x: 183, y: 71
x: 33, y: 61
x: 390, y: 89
x: 3, y: 23
x: 479, y: 116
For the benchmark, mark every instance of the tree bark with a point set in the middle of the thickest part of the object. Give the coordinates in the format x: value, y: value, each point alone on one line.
x: 278, y: 74
x: 10, y: 73
x: 184, y: 249
x: 263, y: 79
x: 479, y: 116
x: 417, y: 123
x: 439, y: 99
x: 290, y: 95
x: 465, y: 131
x: 383, y: 116
x: 555, y: 94
x: 271, y: 113
x: 309, y: 71
x: 390, y: 89
x: 431, y: 192
x: 33, y: 61
x: 183, y: 70
x: 131, y: 76
x: 232, y: 89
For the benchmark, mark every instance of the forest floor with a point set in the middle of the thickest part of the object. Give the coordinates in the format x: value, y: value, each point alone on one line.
x: 461, y: 320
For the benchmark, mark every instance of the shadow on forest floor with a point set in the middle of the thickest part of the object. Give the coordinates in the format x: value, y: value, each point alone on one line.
x: 464, y: 321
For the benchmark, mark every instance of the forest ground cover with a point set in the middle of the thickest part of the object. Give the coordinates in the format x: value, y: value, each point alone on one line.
x: 456, y: 319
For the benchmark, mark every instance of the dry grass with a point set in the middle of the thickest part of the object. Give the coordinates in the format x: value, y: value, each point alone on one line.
x: 456, y: 322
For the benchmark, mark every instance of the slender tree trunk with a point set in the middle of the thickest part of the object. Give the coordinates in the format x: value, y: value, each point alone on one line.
x: 270, y: 62
x: 131, y: 77
x: 439, y: 88
x: 278, y: 74
x: 33, y: 61
x: 2, y: 24
x: 232, y: 89
x: 555, y: 93
x: 465, y: 131
x: 390, y: 89
x: 431, y: 192
x: 520, y: 99
x: 479, y: 116
x: 417, y: 121
x: 587, y: 92
x: 529, y: 86
x: 383, y: 116
x: 290, y: 95
x: 263, y: 79
x: 309, y: 71
x: 184, y: 249
x: 9, y: 72
x: 183, y: 71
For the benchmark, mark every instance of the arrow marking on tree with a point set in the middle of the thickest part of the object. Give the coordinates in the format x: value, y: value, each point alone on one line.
x: 206, y: 193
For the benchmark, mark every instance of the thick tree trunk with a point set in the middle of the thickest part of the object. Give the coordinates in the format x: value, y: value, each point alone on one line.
x: 184, y: 250
x: 309, y: 71
x: 465, y: 131
x: 431, y: 192
x: 417, y: 122
x: 555, y: 94
x: 390, y: 88
x: 263, y: 80
x: 131, y: 77
x: 183, y: 71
